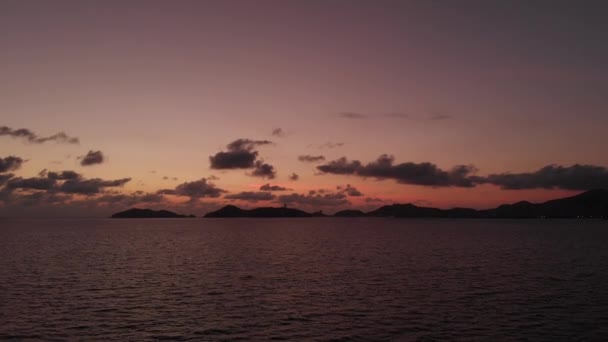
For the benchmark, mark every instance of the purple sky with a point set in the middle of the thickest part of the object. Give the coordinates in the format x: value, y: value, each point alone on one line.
x: 160, y: 86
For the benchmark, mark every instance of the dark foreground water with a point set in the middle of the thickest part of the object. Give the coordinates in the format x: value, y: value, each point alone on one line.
x: 304, y: 279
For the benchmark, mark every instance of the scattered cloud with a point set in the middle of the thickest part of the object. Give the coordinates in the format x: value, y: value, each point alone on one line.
x: 31, y: 137
x: 311, y: 159
x: 10, y: 163
x: 63, y: 175
x: 67, y: 182
x: 34, y: 183
x: 278, y: 132
x: 241, y: 154
x: 175, y: 178
x: 5, y: 177
x: 315, y: 199
x: 268, y: 187
x: 373, y: 200
x: 92, y: 158
x: 575, y: 177
x: 251, y: 196
x: 263, y: 170
x: 349, y: 190
x: 426, y: 174
x: 294, y: 177
x: 195, y: 190
x: 90, y: 186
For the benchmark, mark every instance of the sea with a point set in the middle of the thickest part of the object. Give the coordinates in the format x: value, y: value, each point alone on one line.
x: 306, y: 279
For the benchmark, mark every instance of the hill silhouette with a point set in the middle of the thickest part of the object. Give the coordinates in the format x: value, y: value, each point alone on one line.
x: 148, y: 213
x: 234, y: 211
x: 593, y: 203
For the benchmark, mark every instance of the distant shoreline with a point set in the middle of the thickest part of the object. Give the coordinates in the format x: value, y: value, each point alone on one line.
x: 592, y: 204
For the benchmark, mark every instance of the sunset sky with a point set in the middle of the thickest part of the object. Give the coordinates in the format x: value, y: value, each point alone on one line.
x: 191, y: 105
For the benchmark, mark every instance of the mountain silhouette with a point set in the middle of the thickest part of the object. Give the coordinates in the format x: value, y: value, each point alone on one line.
x: 590, y: 204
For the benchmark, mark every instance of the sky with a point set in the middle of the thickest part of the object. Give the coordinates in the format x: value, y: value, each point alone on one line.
x: 192, y: 105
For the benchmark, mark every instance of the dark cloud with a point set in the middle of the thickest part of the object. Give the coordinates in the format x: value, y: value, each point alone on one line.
x: 278, y: 132
x: 268, y: 187
x: 5, y: 177
x: 246, y: 144
x: 373, y: 200
x: 63, y: 175
x: 34, y: 183
x: 311, y: 159
x: 29, y: 136
x: 263, y: 170
x: 233, y: 160
x: 92, y: 158
x: 241, y: 154
x: 351, y: 115
x: 91, y: 186
x: 294, y: 177
x: 251, y: 196
x: 349, y: 190
x: 426, y: 174
x: 575, y: 177
x: 125, y: 200
x: 10, y: 163
x: 175, y: 178
x: 315, y: 199
x: 195, y: 190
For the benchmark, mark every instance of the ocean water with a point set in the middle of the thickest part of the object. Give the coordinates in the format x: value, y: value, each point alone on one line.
x: 342, y: 279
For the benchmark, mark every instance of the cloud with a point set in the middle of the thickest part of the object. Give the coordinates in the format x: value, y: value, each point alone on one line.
x: 195, y: 190
x: 331, y: 145
x: 575, y: 177
x: 264, y: 170
x: 5, y: 177
x: 311, y: 159
x: 268, y: 187
x: 91, y: 186
x: 31, y: 137
x: 349, y: 190
x: 351, y: 115
x: 426, y: 174
x: 251, y: 196
x: 294, y: 177
x: 315, y: 199
x: 373, y: 200
x: 92, y: 158
x: 175, y: 178
x: 241, y: 154
x: 10, y: 163
x: 126, y: 200
x: 34, y: 183
x: 278, y: 132
x: 63, y: 175
x: 246, y: 144
x: 70, y: 185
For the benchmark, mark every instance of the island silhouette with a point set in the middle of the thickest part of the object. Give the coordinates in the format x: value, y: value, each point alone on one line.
x: 589, y: 204
x: 149, y: 213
